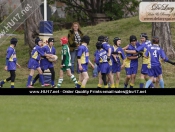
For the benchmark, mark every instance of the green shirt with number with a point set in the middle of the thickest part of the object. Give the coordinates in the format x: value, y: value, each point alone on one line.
x: 65, y: 56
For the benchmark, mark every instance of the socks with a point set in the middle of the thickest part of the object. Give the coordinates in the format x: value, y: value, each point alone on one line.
x: 161, y: 82
x: 12, y: 85
x: 112, y: 85
x: 82, y: 86
x: 125, y: 85
x: 74, y: 79
x: 131, y: 85
x: 41, y: 79
x: 148, y: 83
x: 29, y: 80
x: 106, y: 86
x: 60, y: 81
x: 99, y: 86
x: 116, y: 85
x: 3, y: 82
x: 79, y: 84
x: 151, y: 85
x: 52, y: 82
x: 142, y: 83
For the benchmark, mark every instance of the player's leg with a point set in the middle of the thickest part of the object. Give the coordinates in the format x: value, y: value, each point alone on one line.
x: 60, y: 80
x: 157, y: 82
x: 151, y: 75
x: 110, y: 76
x: 85, y: 79
x: 142, y: 80
x: 117, y: 80
x: 52, y: 76
x: 73, y: 78
x: 128, y: 77
x: 13, y: 75
x: 100, y: 81
x: 133, y: 77
x: 80, y: 79
x: 104, y: 80
x: 30, y: 78
x: 158, y: 71
x: 36, y: 78
x: 4, y: 81
x: 41, y: 77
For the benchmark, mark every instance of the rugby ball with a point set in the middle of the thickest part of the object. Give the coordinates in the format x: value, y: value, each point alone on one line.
x: 53, y: 59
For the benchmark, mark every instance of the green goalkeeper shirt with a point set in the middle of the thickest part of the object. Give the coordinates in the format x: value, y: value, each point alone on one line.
x: 65, y: 56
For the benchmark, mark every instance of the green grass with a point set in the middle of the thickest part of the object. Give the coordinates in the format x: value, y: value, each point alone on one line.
x: 122, y: 28
x: 87, y: 113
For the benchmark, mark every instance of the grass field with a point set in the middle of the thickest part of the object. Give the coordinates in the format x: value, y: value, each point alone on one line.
x: 87, y: 114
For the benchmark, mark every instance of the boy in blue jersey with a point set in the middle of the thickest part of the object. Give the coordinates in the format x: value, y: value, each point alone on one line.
x: 102, y: 62
x: 83, y: 61
x: 141, y: 50
x: 154, y: 53
x: 131, y: 63
x: 45, y: 63
x: 11, y: 63
x: 33, y: 63
x: 106, y: 46
x: 117, y: 54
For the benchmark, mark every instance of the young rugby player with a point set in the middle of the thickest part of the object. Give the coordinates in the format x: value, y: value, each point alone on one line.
x: 117, y: 54
x: 83, y: 61
x: 102, y: 62
x: 66, y: 62
x: 11, y: 63
x: 131, y: 63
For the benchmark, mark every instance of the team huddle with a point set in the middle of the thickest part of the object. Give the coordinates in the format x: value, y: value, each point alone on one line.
x: 109, y: 60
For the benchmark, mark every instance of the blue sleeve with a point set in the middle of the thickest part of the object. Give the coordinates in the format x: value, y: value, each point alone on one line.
x: 122, y: 54
x: 40, y: 51
x: 7, y: 60
x: 163, y: 55
x: 106, y: 46
x: 140, y: 48
x: 97, y: 58
x: 80, y: 51
x: 9, y: 53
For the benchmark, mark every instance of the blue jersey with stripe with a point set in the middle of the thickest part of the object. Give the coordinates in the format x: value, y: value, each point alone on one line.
x: 37, y: 52
x: 101, y: 57
x: 154, y: 53
x: 83, y: 52
x: 119, y: 56
x: 11, y: 59
x: 106, y: 46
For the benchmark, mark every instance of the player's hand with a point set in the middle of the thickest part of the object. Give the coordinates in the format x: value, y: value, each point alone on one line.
x: 18, y: 66
x: 80, y: 68
x: 5, y: 68
x: 122, y: 67
x: 119, y: 52
x: 92, y: 66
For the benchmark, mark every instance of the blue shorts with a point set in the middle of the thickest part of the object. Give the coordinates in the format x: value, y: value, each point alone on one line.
x: 44, y: 64
x: 131, y: 70
x: 155, y: 71
x: 105, y: 68
x: 11, y: 66
x: 33, y: 64
x: 116, y: 68
x: 98, y: 68
x: 85, y: 68
x: 144, y: 69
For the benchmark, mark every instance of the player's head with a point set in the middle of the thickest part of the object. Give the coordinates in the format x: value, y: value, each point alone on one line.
x: 51, y: 41
x: 133, y: 39
x: 155, y: 40
x: 143, y: 37
x: 106, y: 39
x: 117, y: 41
x: 85, y: 39
x: 63, y: 40
x: 101, y: 38
x: 38, y: 41
x: 98, y: 45
x: 14, y: 41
